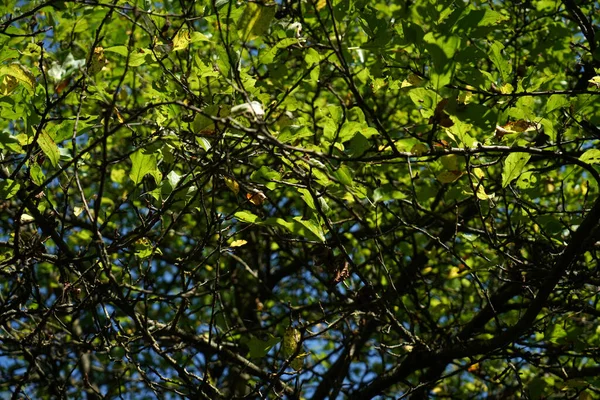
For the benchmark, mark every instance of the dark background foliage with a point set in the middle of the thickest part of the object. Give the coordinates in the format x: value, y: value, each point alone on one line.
x: 299, y: 199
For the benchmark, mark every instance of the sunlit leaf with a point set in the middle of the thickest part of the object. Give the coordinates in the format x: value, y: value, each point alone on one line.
x: 513, y: 166
x: 246, y: 216
x: 97, y: 62
x: 182, y: 40
x: 49, y: 148
x: 232, y: 184
x: 255, y: 20
x: 238, y: 243
x: 141, y: 165
x: 8, y: 188
x: 19, y: 73
x: 591, y: 156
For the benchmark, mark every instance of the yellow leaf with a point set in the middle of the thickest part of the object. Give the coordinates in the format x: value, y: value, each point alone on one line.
x: 465, y: 97
x: 516, y: 127
x: 21, y: 74
x: 454, y: 272
x: 238, y: 243
x: 118, y: 114
x: 507, y: 88
x: 291, y: 338
x: 8, y: 84
x: 419, y: 149
x: 98, y: 61
x: 26, y: 218
x: 181, y: 40
x: 478, y: 172
x: 595, y: 81
x: 320, y: 4
x: 298, y: 362
x: 412, y: 80
x: 232, y: 184
x: 437, y: 390
x: 481, y: 194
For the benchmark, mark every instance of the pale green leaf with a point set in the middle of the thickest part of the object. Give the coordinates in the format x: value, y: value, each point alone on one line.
x: 513, y: 166
x: 142, y: 164
x: 49, y: 148
x: 8, y: 188
x: 555, y: 102
x: 313, y: 227
x: 591, y: 156
x: 344, y: 175
x: 246, y: 216
x: 500, y: 61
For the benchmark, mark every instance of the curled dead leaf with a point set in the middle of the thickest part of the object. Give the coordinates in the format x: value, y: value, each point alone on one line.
x: 441, y: 117
x: 516, y: 127
x: 257, y: 198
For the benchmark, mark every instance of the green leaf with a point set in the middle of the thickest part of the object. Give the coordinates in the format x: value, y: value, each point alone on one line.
x: 442, y: 48
x: 258, y: 348
x: 173, y: 179
x: 304, y: 228
x: 489, y: 17
x: 358, y: 145
x: 9, y: 142
x: 8, y: 188
x: 460, y: 133
x: 387, y: 192
x: 312, y: 57
x: 313, y: 227
x: 267, y: 56
x: 142, y: 164
x: 500, y: 61
x: 121, y: 50
x: 450, y: 162
x: 255, y: 20
x: 294, y: 132
x: 527, y: 180
x: 344, y: 175
x: 36, y: 173
x: 536, y: 388
x: 449, y: 176
x: 144, y: 249
x: 481, y: 17
x: 555, y: 102
x: 266, y: 175
x: 308, y: 199
x: 591, y: 156
x: 247, y: 216
x: 49, y: 148
x: 555, y: 334
x: 199, y: 37
x: 425, y: 99
x: 513, y: 166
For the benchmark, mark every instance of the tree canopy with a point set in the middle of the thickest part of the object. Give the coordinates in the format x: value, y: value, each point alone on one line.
x: 299, y: 199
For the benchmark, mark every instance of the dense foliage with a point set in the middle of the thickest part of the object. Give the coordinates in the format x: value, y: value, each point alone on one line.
x: 301, y: 199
